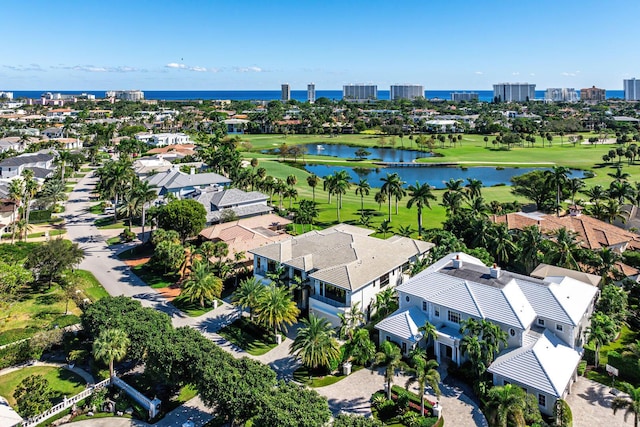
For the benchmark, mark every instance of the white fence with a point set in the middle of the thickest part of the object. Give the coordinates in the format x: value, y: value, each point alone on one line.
x: 153, y: 406
x: 67, y: 403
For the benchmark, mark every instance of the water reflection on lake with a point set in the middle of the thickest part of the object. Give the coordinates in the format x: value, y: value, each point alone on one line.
x: 383, y: 154
x: 435, y: 175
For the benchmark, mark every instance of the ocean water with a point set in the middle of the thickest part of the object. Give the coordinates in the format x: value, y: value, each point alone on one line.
x: 269, y: 95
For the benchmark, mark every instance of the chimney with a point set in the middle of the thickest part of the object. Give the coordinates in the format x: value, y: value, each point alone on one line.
x: 457, y: 262
x: 494, y: 271
x: 193, y: 170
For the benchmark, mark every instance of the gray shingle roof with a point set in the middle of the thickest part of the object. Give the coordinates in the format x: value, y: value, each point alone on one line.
x: 175, y: 179
x: 25, y: 159
x: 344, y: 257
x: 233, y: 196
x: 546, y: 365
x: 404, y: 324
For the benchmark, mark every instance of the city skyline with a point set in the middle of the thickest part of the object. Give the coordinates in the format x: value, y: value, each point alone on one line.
x: 197, y: 45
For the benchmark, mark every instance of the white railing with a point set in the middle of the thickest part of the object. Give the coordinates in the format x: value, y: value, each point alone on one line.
x: 66, y: 403
x: 152, y: 406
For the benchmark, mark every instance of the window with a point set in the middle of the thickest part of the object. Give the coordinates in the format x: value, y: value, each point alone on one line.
x: 453, y: 316
x: 540, y: 322
x: 384, y: 280
x: 542, y: 400
x: 334, y: 293
x: 259, y: 263
x: 505, y: 382
x: 407, y: 299
x: 404, y: 347
x: 558, y: 327
x: 436, y: 311
x: 424, y: 306
x: 512, y: 332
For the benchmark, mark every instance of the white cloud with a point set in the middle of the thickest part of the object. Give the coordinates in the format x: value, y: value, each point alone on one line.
x: 175, y: 65
x: 195, y: 68
x: 97, y: 69
x: 251, y: 69
x: 30, y: 67
x: 569, y: 74
x: 515, y: 73
x: 479, y: 73
x: 532, y: 74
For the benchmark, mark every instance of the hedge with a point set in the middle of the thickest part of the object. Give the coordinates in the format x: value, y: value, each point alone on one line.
x: 36, y: 217
x: 15, y: 354
x: 627, y: 367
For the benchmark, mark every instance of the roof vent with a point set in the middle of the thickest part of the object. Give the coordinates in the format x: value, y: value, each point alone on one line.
x: 457, y: 262
x: 494, y: 271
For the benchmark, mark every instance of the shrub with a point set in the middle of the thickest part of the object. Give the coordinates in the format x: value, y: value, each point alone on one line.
x: 15, y: 354
x: 36, y: 217
x: 402, y: 402
x: 127, y: 236
x: 387, y: 410
x: 582, y: 367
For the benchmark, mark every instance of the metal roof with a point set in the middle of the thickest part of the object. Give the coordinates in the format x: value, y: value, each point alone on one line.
x: 404, y: 324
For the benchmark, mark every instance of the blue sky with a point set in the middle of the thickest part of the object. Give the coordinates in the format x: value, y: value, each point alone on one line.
x: 242, y: 45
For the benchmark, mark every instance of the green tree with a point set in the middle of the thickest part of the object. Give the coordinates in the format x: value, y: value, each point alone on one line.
x: 167, y: 256
x: 313, y: 180
x: 111, y: 346
x: 561, y: 413
x: 48, y: 261
x: 53, y: 191
x: 420, y: 195
x: 187, y: 217
x: 16, y: 191
x: 248, y: 294
x: 201, y: 284
x: 276, y: 308
x: 315, y: 343
x: 630, y: 404
x: 384, y: 228
x: 392, y: 185
x: 613, y: 302
x: 386, y: 302
x: 350, y: 320
x: 33, y: 396
x: 389, y: 356
x: 360, y: 348
x: 348, y: 420
x: 505, y: 406
x: 534, y: 186
x: 563, y: 250
x: 530, y: 243
x: 293, y: 405
x: 423, y: 371
x: 601, y: 332
x: 13, y: 277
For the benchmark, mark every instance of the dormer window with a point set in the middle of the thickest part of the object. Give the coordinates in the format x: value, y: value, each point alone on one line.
x: 559, y: 327
x: 540, y: 322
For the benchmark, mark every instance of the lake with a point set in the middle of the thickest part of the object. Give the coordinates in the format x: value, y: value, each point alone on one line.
x: 380, y: 154
x: 435, y: 176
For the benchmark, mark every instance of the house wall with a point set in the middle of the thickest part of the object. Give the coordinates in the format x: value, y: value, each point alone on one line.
x: 405, y: 345
x: 550, y: 400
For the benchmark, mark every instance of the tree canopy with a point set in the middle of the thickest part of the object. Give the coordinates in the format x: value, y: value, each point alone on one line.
x: 187, y: 217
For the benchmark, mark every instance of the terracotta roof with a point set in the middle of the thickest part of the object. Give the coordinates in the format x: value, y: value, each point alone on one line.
x: 593, y: 233
x: 181, y: 148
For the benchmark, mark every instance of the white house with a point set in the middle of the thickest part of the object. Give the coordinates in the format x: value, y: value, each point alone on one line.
x: 544, y: 319
x: 343, y: 265
x: 243, y: 204
x: 41, y: 163
x: 162, y: 139
x: 184, y: 185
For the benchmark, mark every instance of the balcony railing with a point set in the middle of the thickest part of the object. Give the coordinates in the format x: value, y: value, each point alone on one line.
x: 329, y: 301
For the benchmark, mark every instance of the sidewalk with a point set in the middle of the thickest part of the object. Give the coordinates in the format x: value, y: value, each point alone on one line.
x: 86, y: 376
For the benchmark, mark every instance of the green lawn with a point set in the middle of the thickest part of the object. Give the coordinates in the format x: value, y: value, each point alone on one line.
x: 627, y: 336
x: 56, y: 232
x: 89, y: 285
x: 152, y: 278
x: 108, y: 224
x: 302, y: 376
x: 192, y: 309
x: 16, y: 252
x: 249, y: 337
x: 61, y: 381
x: 114, y: 240
x: 97, y: 209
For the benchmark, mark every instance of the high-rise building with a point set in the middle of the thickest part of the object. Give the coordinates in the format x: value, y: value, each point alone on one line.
x: 410, y: 92
x: 593, y: 94
x: 631, y: 89
x: 286, y: 92
x: 125, y: 95
x: 359, y: 92
x: 6, y: 95
x: 311, y: 93
x: 564, y: 94
x: 514, y: 92
x: 464, y: 96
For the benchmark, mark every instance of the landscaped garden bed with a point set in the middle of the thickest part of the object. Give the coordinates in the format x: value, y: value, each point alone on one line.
x: 61, y: 381
x: 403, y: 409
x: 320, y: 379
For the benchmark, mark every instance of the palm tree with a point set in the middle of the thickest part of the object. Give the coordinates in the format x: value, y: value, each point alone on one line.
x: 350, y: 319
x: 313, y: 180
x: 424, y: 372
x: 384, y: 228
x: 595, y: 193
x: 452, y: 201
x: 501, y: 243
x: 307, y: 211
x: 575, y: 185
x: 16, y: 192
x: 360, y: 348
x: 291, y: 193
x: 276, y: 308
x: 557, y: 177
x: 428, y: 330
x: 201, y: 284
x: 492, y: 338
x: 601, y: 332
x: 621, y: 190
x: 53, y: 191
x: 619, y: 175
x: 145, y: 193
x: 605, y: 265
x: 386, y: 302
x: 30, y: 190
x: 392, y: 186
x: 630, y: 404
x: 362, y: 188
x: 563, y: 249
x: 391, y: 356
x: 405, y: 230
x: 380, y: 198
x: 530, y: 242
x: 315, y: 343
x: 474, y: 188
x: 292, y: 180
x: 328, y: 185
x: 247, y: 295
x: 420, y: 195
x: 111, y: 346
x: 506, y: 405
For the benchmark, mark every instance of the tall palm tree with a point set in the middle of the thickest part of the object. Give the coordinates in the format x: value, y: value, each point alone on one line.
x: 420, y: 195
x: 248, y: 294
x: 452, y: 201
x: 380, y: 198
x: 350, y: 319
x: 563, y: 249
x: 386, y: 302
x: 392, y: 185
x: 201, y: 284
x: 428, y: 330
x: 601, y: 332
x: 276, y: 308
x: 53, y: 191
x: 391, y: 357
x: 30, y: 189
x: 501, y: 243
x: 307, y: 212
x: 145, y: 193
x: 315, y: 344
x: 530, y: 242
x: 619, y: 175
x: 424, y: 372
x: 313, y: 180
x: 493, y: 337
x: 362, y: 188
x: 474, y: 188
x: 630, y: 404
x: 605, y: 265
x: 111, y: 346
x: 292, y: 180
x: 595, y: 193
x: 328, y: 184
x: 16, y: 191
x: 575, y: 185
x: 506, y: 405
x: 557, y: 177
x: 621, y: 190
